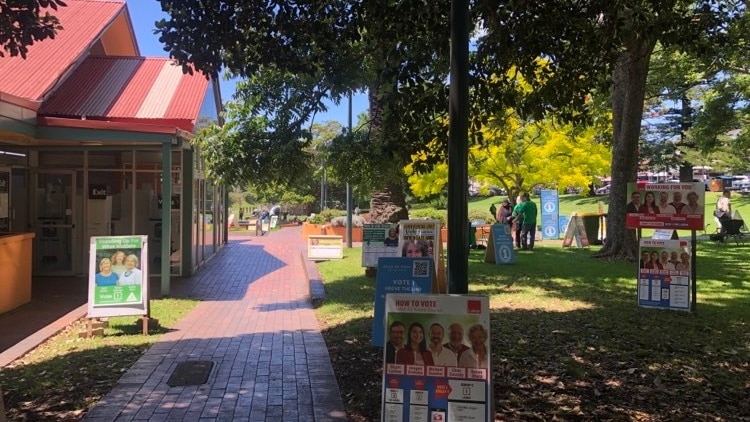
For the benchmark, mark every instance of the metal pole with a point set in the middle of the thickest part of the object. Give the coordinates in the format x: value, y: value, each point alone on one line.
x: 693, y: 272
x: 458, y: 151
x: 349, y: 188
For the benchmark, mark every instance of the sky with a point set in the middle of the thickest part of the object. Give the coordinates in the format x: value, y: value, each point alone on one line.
x: 144, y: 13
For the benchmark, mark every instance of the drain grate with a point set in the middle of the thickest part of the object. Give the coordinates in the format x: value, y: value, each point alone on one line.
x: 192, y: 372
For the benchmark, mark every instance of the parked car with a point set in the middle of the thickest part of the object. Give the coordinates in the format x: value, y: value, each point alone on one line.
x: 495, y: 191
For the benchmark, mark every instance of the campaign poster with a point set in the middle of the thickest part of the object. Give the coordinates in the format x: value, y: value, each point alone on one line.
x: 678, y: 206
x: 420, y: 238
x: 550, y: 214
x: 437, y: 364
x: 398, y: 275
x: 118, y: 276
x: 500, y: 248
x: 325, y: 247
x: 664, y: 276
x: 379, y: 240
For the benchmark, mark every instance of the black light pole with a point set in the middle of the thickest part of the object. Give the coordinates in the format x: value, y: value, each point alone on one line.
x: 458, y: 151
x: 349, y: 188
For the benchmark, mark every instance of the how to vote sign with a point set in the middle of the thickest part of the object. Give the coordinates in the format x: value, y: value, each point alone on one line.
x: 398, y: 275
x: 449, y: 379
x: 550, y: 213
x: 664, y: 276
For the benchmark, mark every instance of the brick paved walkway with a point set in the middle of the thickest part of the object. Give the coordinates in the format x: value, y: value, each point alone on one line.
x: 256, y: 323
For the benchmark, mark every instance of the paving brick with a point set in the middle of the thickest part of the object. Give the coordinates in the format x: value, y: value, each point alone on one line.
x: 256, y: 323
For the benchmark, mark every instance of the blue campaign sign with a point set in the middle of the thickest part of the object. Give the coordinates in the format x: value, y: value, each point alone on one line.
x: 563, y: 223
x: 550, y: 211
x: 503, y: 244
x: 398, y: 275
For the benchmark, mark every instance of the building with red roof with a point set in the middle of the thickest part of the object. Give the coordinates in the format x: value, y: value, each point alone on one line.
x: 93, y: 136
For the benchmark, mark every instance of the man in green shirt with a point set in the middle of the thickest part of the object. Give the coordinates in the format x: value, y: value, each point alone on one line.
x: 528, y: 230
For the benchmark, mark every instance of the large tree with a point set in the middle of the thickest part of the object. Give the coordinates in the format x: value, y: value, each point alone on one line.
x: 398, y: 51
x: 296, y: 54
x: 601, y: 47
x: 24, y: 22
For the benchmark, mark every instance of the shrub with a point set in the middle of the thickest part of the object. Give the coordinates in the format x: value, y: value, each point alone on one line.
x: 480, y: 215
x: 329, y: 214
x: 441, y: 202
x: 316, y: 219
x: 429, y: 213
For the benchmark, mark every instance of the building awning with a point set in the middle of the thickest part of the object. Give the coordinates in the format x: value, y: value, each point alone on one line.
x: 135, y: 90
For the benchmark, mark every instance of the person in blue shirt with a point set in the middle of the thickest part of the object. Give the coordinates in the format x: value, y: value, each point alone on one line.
x: 105, y: 276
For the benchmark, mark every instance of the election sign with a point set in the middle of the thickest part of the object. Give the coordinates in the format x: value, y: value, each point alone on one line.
x: 500, y: 245
x: 550, y: 211
x: 446, y: 376
x: 118, y: 276
x: 398, y: 275
x: 664, y: 274
x: 666, y: 206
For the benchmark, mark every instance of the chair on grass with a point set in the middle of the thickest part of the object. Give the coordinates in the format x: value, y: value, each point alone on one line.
x: 733, y: 230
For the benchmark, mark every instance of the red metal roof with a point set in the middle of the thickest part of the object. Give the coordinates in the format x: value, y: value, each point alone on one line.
x: 83, y: 22
x: 130, y: 89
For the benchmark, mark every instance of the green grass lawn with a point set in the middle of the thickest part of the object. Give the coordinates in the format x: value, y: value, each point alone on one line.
x: 66, y: 375
x: 569, y: 341
x: 582, y: 204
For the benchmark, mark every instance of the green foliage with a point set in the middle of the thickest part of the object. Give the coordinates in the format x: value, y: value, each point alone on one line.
x: 316, y: 219
x: 476, y: 214
x: 329, y: 213
x: 429, y: 213
x: 24, y: 22
x: 440, y: 202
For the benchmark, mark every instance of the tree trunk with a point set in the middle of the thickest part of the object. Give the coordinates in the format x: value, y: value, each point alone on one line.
x: 628, y: 92
x: 388, y: 203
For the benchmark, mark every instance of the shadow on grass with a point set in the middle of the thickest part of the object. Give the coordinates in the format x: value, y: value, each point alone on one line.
x: 569, y: 342
x: 63, y: 387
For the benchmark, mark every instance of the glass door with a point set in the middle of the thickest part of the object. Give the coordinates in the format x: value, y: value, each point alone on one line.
x: 54, y: 222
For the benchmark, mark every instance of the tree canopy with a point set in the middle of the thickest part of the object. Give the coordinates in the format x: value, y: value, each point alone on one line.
x: 24, y: 22
x: 398, y: 52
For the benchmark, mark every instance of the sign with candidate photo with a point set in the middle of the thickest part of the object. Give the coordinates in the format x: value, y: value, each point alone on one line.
x: 440, y: 370
x: 678, y: 206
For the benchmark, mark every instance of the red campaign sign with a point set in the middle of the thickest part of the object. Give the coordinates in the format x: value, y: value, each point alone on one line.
x: 664, y: 221
x: 671, y: 206
x: 442, y: 389
x: 474, y: 306
x: 393, y: 382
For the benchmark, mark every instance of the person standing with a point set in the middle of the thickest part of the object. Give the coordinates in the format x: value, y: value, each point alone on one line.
x: 517, y: 219
x: 493, y: 211
x: 724, y: 210
x: 505, y: 214
x: 528, y: 230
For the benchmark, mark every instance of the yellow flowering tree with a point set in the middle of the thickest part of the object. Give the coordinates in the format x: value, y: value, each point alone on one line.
x: 518, y: 155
